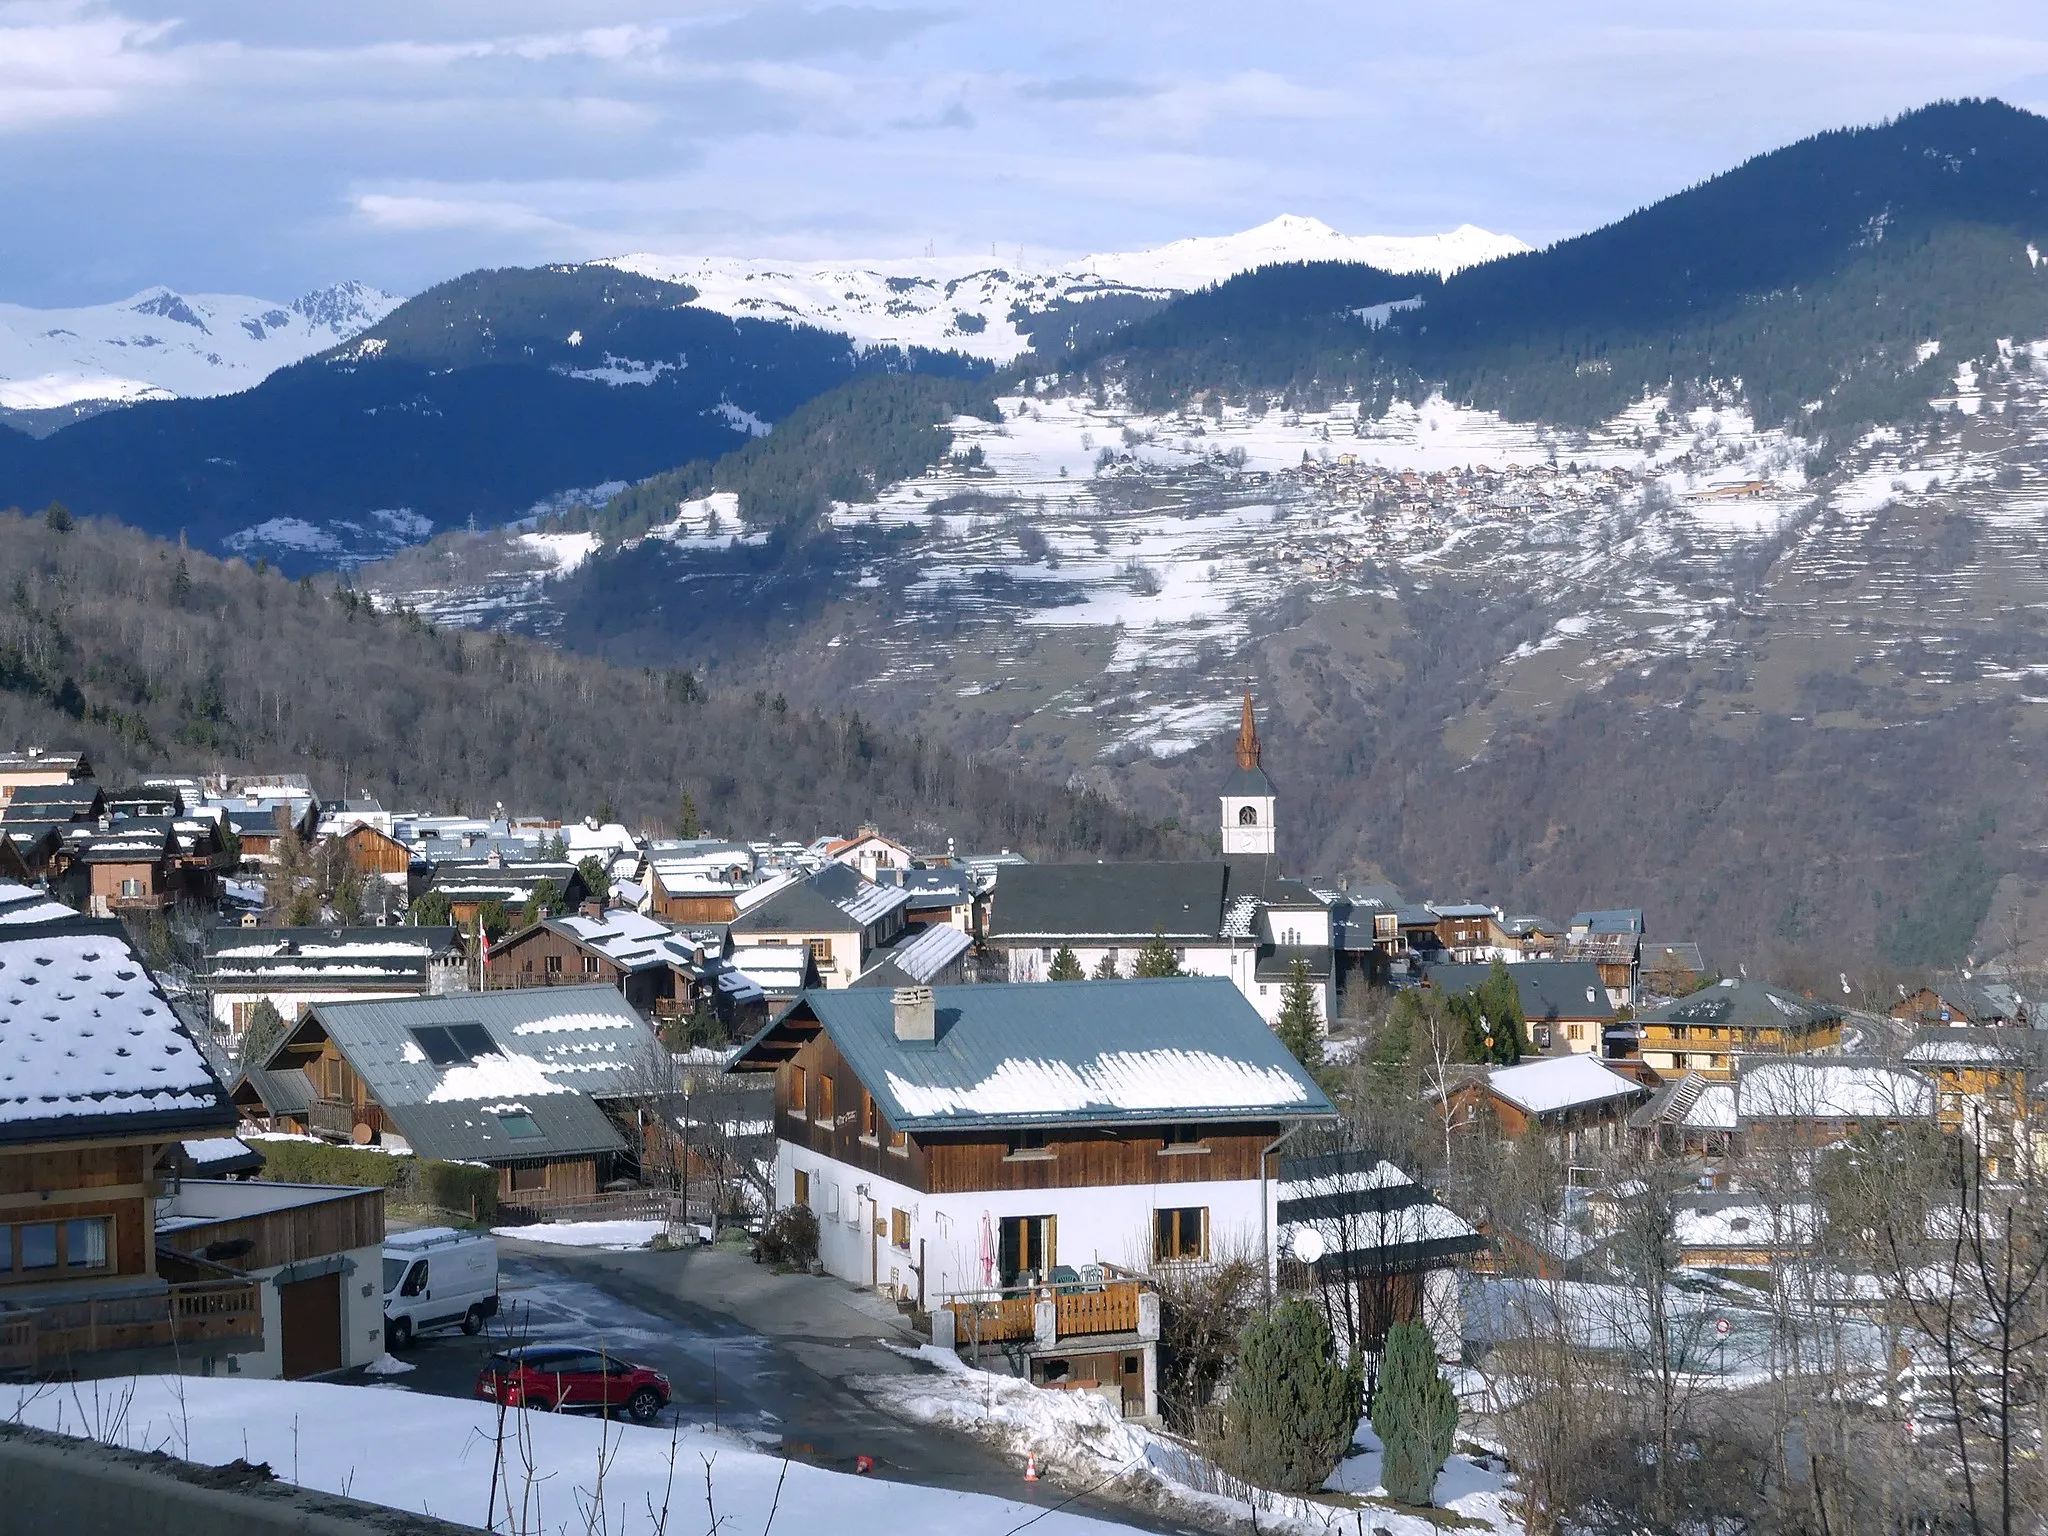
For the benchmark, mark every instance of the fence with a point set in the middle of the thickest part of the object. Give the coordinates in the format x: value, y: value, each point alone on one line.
x: 179, y: 1314
x: 1008, y: 1316
x: 532, y: 1207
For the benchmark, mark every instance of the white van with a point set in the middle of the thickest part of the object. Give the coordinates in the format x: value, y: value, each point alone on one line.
x: 437, y: 1277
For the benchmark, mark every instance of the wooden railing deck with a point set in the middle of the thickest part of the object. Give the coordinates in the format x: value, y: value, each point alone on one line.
x: 47, y: 1337
x: 1005, y: 1316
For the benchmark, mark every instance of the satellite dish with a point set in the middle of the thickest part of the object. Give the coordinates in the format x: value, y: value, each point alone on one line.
x: 1308, y: 1245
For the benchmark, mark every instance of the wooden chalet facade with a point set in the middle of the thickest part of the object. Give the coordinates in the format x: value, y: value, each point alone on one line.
x: 1709, y: 1030
x: 375, y: 854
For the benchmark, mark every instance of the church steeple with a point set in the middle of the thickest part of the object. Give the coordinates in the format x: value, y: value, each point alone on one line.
x: 1248, y: 735
x: 1247, y: 799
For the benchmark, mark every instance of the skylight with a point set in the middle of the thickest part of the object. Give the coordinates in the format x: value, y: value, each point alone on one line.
x: 520, y: 1126
x: 454, y: 1045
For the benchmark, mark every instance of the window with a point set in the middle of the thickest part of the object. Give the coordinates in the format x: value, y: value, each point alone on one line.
x: 869, y: 1120
x: 533, y: 1176
x: 36, y: 1246
x: 416, y: 1281
x: 800, y: 1193
x: 899, y: 1143
x: 899, y: 1230
x: 590, y: 965
x: 1182, y: 1138
x: 519, y: 1125
x: 552, y: 965
x: 799, y: 1093
x: 1028, y: 1144
x: 828, y: 1112
x: 1180, y: 1233
x: 85, y: 1243
x: 454, y: 1045
x: 821, y: 950
x: 1247, y: 817
x: 131, y: 887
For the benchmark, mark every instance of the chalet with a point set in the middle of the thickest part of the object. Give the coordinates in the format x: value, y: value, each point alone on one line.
x: 13, y: 864
x: 698, y: 880
x: 40, y: 766
x: 74, y: 800
x: 1822, y: 1101
x: 1469, y: 933
x: 1581, y: 1102
x: 1024, y: 1156
x: 261, y: 825
x: 1987, y: 1081
x: 1564, y: 1003
x: 1963, y: 1002
x: 867, y: 851
x: 618, y: 947
x: 840, y: 916
x: 1612, y: 940
x: 1708, y: 1030
x: 520, y: 1080
x: 294, y: 968
x: 340, y: 817
x: 1374, y: 1247
x: 98, y: 1077
x: 942, y: 895
x: 512, y: 883
x: 375, y: 854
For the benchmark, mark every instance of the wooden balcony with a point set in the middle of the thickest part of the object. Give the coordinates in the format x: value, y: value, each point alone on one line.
x: 67, y: 1335
x: 1000, y: 1317
x: 339, y: 1118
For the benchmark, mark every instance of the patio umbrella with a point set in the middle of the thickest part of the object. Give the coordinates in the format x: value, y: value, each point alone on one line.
x: 988, y: 1249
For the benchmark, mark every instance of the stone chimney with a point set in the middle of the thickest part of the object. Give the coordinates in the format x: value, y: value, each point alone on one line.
x: 917, y: 1018
x: 593, y: 909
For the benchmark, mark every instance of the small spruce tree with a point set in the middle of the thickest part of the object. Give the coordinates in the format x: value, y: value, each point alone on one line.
x: 1157, y: 959
x: 432, y: 910
x: 545, y: 901
x: 261, y: 1031
x: 494, y: 917
x: 687, y: 823
x: 57, y: 517
x: 1300, y: 1023
x: 1293, y: 1407
x: 1066, y: 965
x: 1415, y: 1415
x: 1105, y: 969
x: 597, y: 876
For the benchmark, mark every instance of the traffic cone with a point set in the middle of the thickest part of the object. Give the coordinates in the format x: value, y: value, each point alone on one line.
x: 1030, y: 1466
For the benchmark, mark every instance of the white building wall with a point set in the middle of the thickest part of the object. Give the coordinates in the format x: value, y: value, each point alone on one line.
x: 294, y: 1003
x: 1108, y: 1225
x: 1255, y: 838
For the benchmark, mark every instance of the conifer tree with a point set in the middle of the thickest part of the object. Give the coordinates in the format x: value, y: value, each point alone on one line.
x: 1105, y: 968
x: 1293, y: 1407
x: 1300, y: 1023
x: 1415, y: 1415
x: 1157, y: 959
x: 1066, y: 965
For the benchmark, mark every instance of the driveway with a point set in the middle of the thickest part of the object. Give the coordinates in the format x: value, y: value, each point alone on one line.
x: 768, y: 1356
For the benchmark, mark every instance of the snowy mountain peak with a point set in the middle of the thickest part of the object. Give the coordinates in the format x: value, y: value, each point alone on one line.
x: 973, y: 303
x: 160, y: 344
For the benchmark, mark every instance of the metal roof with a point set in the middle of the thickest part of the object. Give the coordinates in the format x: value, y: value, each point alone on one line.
x: 1550, y: 990
x: 1742, y: 1004
x: 1181, y: 900
x: 916, y: 961
x: 558, y: 1050
x: 1057, y: 1053
x: 835, y: 899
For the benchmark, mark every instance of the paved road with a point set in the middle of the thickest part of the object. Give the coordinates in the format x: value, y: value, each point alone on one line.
x: 770, y: 1357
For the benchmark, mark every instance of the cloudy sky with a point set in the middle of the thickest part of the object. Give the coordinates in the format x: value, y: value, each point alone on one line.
x: 269, y: 146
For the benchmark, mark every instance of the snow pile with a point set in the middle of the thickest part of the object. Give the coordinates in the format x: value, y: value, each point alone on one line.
x: 437, y: 1455
x: 1084, y: 1439
x: 388, y: 1364
x: 615, y: 1235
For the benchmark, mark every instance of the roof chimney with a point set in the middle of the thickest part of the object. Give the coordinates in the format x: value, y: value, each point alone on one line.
x: 917, y: 1018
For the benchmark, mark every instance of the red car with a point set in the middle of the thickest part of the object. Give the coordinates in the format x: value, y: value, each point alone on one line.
x: 565, y: 1376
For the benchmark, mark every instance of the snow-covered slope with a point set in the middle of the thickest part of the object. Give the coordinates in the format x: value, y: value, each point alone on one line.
x: 160, y: 344
x: 964, y: 303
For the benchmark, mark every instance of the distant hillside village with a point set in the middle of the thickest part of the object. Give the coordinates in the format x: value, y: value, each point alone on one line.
x: 1020, y: 1098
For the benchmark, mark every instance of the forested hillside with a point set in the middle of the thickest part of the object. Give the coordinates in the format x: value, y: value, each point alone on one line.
x: 1812, y: 276
x: 473, y: 402
x: 157, y: 658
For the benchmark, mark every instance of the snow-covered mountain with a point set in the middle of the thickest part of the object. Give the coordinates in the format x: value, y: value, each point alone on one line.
x: 161, y: 344
x: 966, y: 303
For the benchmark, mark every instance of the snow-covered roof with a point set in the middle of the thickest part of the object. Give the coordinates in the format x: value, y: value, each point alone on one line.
x: 1060, y: 1052
x: 1366, y: 1213
x: 780, y: 968
x: 1552, y: 1083
x: 1745, y: 1224
x: 922, y: 958
x: 89, y: 1044
x: 22, y: 904
x: 1820, y: 1088
x: 1996, y: 1046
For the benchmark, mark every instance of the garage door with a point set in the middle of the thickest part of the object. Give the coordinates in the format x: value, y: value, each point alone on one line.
x: 309, y: 1315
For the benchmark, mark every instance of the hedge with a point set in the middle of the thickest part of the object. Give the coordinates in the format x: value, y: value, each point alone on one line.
x: 410, y: 1180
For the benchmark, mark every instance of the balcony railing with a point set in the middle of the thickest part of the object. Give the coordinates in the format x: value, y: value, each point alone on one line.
x: 338, y: 1117
x: 67, y: 1333
x: 1005, y: 1316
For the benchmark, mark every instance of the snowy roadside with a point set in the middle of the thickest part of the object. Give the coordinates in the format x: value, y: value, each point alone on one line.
x: 615, y: 1235
x: 1088, y: 1444
x: 564, y: 1475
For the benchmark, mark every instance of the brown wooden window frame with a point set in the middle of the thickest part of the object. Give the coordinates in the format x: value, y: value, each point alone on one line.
x: 1170, y: 1239
x: 870, y: 1121
x: 799, y: 1092
x: 800, y: 1188
x: 899, y: 1143
x: 828, y: 1100
x: 590, y: 965
x: 552, y: 964
x: 11, y: 1272
x: 899, y: 1229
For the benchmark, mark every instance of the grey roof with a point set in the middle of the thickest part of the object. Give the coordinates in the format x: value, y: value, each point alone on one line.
x: 1674, y: 957
x: 835, y: 899
x: 930, y: 890
x: 559, y: 1049
x: 284, y: 1092
x: 919, y: 958
x: 1743, y: 1004
x: 1116, y: 902
x: 1275, y: 962
x: 1614, y: 920
x: 1246, y: 784
x: 89, y: 1045
x: 75, y: 801
x: 1258, y: 876
x: 511, y: 883
x: 326, y: 957
x: 1550, y: 989
x: 1058, y: 1053
x: 1988, y: 1045
x: 45, y: 760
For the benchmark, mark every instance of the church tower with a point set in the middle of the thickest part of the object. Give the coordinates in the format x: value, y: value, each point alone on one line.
x: 1248, y: 794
